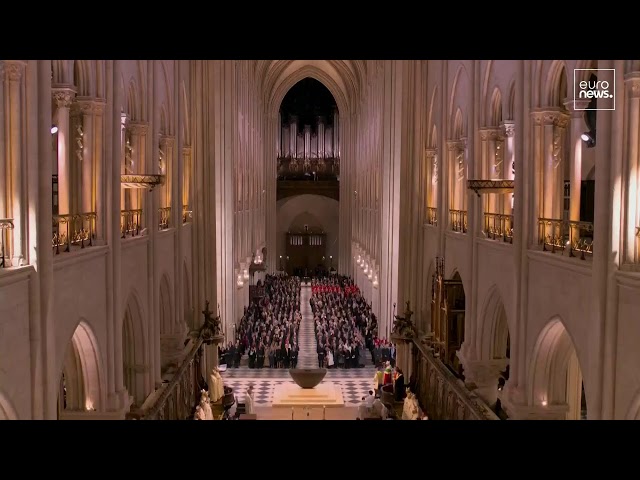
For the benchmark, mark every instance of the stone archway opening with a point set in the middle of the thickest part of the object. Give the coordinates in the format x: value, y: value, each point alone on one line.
x: 491, y: 373
x: 556, y: 381
x: 134, y: 357
x: 80, y: 387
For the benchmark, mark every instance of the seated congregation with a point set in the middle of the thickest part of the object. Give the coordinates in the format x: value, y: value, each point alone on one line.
x: 343, y: 322
x: 268, y: 330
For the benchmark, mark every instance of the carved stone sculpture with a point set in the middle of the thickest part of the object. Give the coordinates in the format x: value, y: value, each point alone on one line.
x: 211, y: 327
x: 403, y: 325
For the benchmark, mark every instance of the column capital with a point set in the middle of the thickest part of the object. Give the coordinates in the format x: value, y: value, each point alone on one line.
x: 490, y: 133
x: 509, y: 129
x: 88, y: 105
x: 13, y: 69
x: 138, y: 128
x: 484, y: 371
x: 63, y: 95
x: 431, y: 152
x: 456, y: 144
x: 550, y: 116
x: 167, y: 141
x: 632, y: 79
x: 186, y: 150
x: 576, y: 107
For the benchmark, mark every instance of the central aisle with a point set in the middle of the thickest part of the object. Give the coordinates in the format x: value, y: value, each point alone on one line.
x: 308, y: 353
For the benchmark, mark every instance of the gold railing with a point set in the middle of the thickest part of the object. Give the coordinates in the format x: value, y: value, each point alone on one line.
x: 5, y: 225
x: 432, y: 216
x: 180, y: 396
x: 458, y: 220
x: 130, y: 221
x: 499, y: 226
x: 164, y: 218
x: 73, y: 229
x: 565, y: 235
x: 440, y: 393
x: 187, y: 215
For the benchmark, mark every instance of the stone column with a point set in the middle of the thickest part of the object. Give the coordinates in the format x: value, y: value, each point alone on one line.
x: 336, y: 134
x: 632, y: 154
x: 321, y: 123
x: 432, y: 177
x: 138, y: 155
x: 43, y: 335
x: 491, y: 156
x: 508, y: 167
x: 576, y: 109
x: 86, y: 109
x: 63, y: 97
x: 187, y: 178
x: 483, y: 376
x: 100, y: 171
x: 13, y: 75
x: 167, y: 143
x: 124, y: 157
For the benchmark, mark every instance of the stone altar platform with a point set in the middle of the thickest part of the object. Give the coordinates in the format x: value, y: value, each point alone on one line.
x: 326, y: 394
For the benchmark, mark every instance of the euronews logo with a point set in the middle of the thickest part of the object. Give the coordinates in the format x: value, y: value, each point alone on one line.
x: 598, y: 89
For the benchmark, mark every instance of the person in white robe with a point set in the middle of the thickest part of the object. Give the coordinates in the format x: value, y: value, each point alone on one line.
x: 199, y: 415
x: 249, y: 401
x: 206, y: 406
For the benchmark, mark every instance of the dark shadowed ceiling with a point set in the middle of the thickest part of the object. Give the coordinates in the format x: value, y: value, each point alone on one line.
x: 308, y: 99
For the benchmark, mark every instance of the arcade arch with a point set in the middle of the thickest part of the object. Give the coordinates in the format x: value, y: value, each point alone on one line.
x: 555, y: 378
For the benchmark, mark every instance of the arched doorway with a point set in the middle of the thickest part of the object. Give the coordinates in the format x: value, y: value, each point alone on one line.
x: 134, y: 353
x: 555, y: 376
x: 495, y: 347
x: 80, y: 387
x: 308, y: 171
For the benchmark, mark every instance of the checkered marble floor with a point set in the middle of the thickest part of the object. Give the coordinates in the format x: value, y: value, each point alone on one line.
x: 352, y: 390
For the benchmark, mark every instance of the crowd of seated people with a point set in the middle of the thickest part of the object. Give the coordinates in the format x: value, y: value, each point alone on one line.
x: 268, y: 330
x: 342, y: 320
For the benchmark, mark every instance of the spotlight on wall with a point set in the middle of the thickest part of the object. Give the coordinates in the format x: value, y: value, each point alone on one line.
x: 54, y: 129
x: 589, y: 138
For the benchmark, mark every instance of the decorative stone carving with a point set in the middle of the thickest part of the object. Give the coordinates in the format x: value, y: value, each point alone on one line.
x: 576, y: 107
x: 186, y: 150
x: 63, y: 96
x: 509, y: 129
x: 85, y: 105
x: 632, y: 80
x: 550, y: 116
x: 167, y: 141
x: 138, y: 128
x: 490, y: 133
x: 12, y: 69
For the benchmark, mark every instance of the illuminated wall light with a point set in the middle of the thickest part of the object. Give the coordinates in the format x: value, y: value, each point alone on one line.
x: 54, y: 130
x: 544, y: 403
x: 245, y: 274
x: 240, y: 281
x: 375, y: 281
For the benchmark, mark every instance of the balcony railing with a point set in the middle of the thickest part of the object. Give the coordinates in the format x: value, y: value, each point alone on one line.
x: 566, y: 235
x: 179, y: 397
x: 164, y: 221
x: 458, y: 220
x: 73, y: 229
x: 440, y: 392
x: 308, y: 168
x: 130, y: 221
x: 5, y: 225
x: 432, y: 216
x: 499, y: 226
x: 187, y: 214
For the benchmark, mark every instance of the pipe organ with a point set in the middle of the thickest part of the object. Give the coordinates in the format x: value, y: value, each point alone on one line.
x: 320, y: 140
